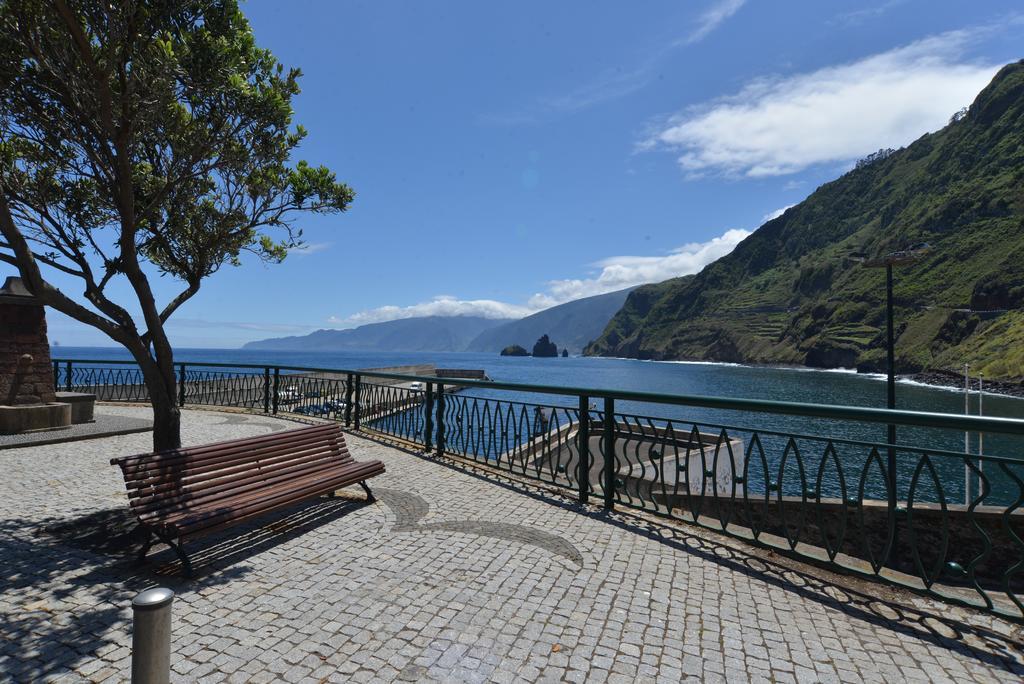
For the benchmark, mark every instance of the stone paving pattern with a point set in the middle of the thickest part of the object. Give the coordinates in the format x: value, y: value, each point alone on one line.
x: 449, y: 577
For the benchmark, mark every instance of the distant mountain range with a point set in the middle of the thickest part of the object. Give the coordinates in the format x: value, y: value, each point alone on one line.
x: 796, y: 291
x: 427, y: 333
x: 571, y: 326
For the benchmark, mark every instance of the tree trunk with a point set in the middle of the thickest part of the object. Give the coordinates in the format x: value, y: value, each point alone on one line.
x: 163, y: 396
x: 166, y: 426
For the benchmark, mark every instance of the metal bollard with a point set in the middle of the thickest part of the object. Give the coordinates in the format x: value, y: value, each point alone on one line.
x: 151, y: 636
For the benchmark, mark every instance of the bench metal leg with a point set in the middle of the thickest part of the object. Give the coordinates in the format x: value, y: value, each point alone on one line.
x: 151, y: 537
x: 186, y: 564
x: 146, y: 546
x: 370, y: 498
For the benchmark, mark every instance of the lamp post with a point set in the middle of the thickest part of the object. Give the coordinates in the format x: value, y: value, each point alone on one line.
x: 900, y: 258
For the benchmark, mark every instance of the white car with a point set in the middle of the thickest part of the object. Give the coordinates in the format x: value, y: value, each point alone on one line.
x: 289, y: 394
x: 416, y: 386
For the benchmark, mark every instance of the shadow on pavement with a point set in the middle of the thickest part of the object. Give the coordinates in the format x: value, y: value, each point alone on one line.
x: 68, y: 583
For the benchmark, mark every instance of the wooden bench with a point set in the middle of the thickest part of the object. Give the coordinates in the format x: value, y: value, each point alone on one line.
x: 189, y: 492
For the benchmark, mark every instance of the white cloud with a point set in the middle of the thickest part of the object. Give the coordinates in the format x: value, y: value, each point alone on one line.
x: 858, y: 17
x: 621, y: 272
x: 610, y: 85
x: 713, y: 17
x: 776, y: 214
x: 776, y: 126
x: 309, y: 248
x: 175, y: 322
x: 616, y: 273
x: 442, y: 305
x: 619, y: 81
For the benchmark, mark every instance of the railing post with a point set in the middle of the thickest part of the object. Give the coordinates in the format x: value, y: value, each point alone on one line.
x: 440, y: 419
x: 359, y: 391
x: 181, y: 384
x: 277, y: 390
x: 583, y: 435
x: 428, y: 419
x: 890, y: 393
x: 67, y: 377
x: 266, y: 389
x: 56, y: 374
x: 151, y: 636
x: 348, y: 399
x: 609, y: 453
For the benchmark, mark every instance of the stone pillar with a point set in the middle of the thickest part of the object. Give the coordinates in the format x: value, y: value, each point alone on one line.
x: 26, y: 374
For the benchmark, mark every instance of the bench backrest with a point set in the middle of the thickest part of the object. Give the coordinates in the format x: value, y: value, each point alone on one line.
x: 157, y: 482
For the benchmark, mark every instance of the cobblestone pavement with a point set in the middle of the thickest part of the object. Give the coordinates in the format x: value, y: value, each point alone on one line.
x: 449, y: 577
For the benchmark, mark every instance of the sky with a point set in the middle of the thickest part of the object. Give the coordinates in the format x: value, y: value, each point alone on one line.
x: 507, y: 157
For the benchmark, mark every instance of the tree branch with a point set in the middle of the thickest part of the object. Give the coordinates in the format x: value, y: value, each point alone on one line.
x: 44, y: 291
x: 81, y: 41
x: 173, y: 305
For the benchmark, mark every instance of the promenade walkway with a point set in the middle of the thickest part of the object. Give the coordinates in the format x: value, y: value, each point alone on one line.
x: 450, y: 577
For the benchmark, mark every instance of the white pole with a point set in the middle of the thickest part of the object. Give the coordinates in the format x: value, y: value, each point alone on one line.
x: 981, y: 435
x: 967, y: 436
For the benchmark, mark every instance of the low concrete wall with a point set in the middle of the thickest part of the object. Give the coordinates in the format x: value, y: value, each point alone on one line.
x: 645, y: 456
x: 867, y: 531
x: 82, y: 405
x: 460, y: 373
x: 26, y: 418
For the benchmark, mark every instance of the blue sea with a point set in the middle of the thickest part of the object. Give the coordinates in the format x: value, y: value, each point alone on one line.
x: 670, y: 377
x: 685, y: 378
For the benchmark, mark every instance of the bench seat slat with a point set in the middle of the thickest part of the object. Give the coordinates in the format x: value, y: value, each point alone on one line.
x: 238, y: 499
x: 187, y: 476
x: 266, y: 500
x: 188, y: 498
x: 270, y: 508
x: 257, y: 498
x: 176, y: 460
x: 226, y: 446
x: 189, y: 481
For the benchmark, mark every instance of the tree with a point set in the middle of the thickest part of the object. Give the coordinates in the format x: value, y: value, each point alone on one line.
x: 142, y: 138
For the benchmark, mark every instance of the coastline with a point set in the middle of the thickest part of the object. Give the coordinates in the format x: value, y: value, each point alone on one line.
x: 947, y: 380
x: 954, y: 381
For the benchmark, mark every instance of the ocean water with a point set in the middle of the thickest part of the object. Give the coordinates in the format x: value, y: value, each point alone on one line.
x: 705, y: 379
x: 840, y: 387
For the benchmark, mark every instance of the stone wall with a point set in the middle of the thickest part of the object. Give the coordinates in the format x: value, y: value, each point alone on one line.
x: 23, y: 332
x: 461, y: 373
x: 987, y: 536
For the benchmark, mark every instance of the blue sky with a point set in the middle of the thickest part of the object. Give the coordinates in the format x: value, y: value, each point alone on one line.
x: 509, y: 156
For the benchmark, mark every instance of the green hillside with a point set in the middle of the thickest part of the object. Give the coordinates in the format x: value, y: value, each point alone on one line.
x: 796, y: 292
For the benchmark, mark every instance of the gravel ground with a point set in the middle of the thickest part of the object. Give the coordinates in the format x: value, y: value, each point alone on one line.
x: 110, y: 420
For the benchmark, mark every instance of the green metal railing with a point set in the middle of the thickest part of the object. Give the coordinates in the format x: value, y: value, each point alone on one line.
x: 821, y: 483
